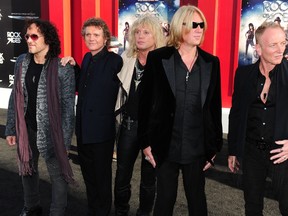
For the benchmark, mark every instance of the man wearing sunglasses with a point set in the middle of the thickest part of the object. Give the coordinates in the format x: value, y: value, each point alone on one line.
x: 179, y: 121
x: 40, y: 119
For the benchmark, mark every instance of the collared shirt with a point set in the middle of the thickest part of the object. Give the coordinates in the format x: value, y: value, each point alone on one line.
x: 261, y: 117
x: 187, y: 134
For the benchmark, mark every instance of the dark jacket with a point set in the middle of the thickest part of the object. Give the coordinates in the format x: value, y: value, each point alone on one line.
x: 95, y: 118
x: 66, y: 89
x: 157, y: 102
x: 245, y: 90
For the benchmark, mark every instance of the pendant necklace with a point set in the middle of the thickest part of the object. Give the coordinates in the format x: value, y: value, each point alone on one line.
x: 265, y: 90
x: 191, y: 65
x: 138, y: 74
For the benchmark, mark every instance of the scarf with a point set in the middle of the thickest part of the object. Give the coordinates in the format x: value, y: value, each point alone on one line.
x: 54, y: 114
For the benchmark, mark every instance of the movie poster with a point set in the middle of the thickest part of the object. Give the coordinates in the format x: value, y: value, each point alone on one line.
x: 129, y: 10
x: 12, y: 43
x: 254, y: 13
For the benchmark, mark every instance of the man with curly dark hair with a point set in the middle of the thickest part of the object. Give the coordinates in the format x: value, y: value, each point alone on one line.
x: 40, y: 119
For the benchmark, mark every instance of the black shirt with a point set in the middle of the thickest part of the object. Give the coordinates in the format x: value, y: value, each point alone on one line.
x: 131, y: 107
x: 31, y: 80
x: 261, y: 117
x: 187, y: 133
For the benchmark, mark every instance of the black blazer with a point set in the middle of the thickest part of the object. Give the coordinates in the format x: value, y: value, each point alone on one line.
x: 157, y: 102
x: 95, y: 118
x: 245, y: 90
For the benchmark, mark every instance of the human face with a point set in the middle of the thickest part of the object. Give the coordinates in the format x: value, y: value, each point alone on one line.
x: 271, y: 46
x: 94, y: 39
x: 144, y: 39
x: 38, y: 47
x: 193, y: 37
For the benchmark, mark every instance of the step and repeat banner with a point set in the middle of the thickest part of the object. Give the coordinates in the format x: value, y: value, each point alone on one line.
x: 130, y: 10
x: 253, y: 14
x: 13, y: 14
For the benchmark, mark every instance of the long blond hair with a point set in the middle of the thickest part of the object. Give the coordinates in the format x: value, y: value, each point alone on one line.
x: 151, y: 23
x: 183, y: 15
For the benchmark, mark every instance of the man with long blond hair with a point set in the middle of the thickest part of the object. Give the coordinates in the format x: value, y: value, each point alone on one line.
x: 145, y: 35
x: 180, y: 125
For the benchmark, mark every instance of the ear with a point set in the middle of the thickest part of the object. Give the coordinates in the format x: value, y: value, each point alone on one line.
x: 258, y: 49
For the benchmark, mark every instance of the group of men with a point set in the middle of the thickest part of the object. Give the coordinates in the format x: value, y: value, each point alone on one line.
x: 169, y: 98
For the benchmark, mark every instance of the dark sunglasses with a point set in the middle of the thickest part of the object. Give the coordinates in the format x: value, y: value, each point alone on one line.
x: 195, y: 24
x: 33, y: 37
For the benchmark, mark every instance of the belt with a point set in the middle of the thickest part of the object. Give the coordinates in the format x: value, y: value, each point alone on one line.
x: 128, y: 122
x: 261, y: 145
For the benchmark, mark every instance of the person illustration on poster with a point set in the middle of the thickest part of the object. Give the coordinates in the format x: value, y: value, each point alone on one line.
x: 166, y: 29
x: 126, y: 34
x: 278, y: 20
x: 249, y: 38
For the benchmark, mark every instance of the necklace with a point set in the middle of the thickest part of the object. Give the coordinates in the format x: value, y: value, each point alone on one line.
x: 266, y: 86
x: 138, y: 74
x: 191, y: 66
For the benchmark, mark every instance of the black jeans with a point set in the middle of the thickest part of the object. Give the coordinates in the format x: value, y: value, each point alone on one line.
x: 194, y: 187
x: 257, y: 166
x: 31, y: 183
x: 96, y: 166
x: 127, y: 151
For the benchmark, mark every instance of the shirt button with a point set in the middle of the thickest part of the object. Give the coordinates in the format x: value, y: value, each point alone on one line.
x: 265, y: 108
x: 261, y: 84
x: 264, y: 123
x: 262, y: 138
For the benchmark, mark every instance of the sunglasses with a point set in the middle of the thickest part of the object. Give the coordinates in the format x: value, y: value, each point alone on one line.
x: 33, y: 37
x: 195, y: 24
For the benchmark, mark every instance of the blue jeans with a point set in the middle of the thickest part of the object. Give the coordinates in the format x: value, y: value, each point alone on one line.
x: 31, y: 183
x: 257, y: 166
x: 127, y: 152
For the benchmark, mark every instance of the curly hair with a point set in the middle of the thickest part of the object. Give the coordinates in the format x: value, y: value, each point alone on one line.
x: 151, y: 23
x: 98, y: 22
x: 50, y: 33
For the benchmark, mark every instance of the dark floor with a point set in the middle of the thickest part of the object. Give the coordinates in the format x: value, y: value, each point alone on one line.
x: 224, y: 196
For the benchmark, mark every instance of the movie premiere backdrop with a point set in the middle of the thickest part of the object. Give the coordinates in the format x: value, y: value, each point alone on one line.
x: 253, y: 14
x: 130, y: 10
x: 12, y: 42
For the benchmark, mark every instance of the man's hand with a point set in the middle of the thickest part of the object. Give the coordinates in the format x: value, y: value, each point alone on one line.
x: 11, y: 140
x: 209, y: 163
x: 148, y: 156
x: 233, y: 164
x: 281, y: 154
x: 68, y: 59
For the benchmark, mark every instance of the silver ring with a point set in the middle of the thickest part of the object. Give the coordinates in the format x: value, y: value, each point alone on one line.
x: 147, y: 158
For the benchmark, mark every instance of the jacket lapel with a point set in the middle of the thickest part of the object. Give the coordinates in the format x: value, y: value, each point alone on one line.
x: 168, y: 65
x: 126, y: 73
x: 205, y: 74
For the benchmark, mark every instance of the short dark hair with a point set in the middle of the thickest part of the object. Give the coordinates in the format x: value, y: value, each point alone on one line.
x: 50, y: 34
x: 98, y: 22
x: 251, y: 24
